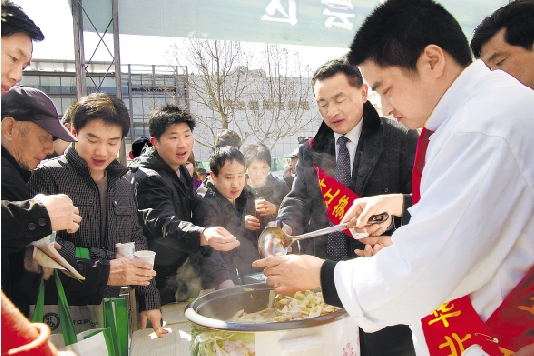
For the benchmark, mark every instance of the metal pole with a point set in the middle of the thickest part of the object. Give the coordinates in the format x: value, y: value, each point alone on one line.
x: 79, y: 53
x: 118, y: 76
x: 186, y: 89
x: 130, y: 102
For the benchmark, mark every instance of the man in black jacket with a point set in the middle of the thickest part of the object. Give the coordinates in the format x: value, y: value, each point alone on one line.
x: 164, y: 193
x: 223, y: 200
x: 18, y: 32
x: 381, y: 156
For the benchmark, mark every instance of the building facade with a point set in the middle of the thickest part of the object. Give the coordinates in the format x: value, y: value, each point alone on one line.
x: 146, y: 88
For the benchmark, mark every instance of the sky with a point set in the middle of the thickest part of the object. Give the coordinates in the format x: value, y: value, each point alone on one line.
x: 55, y: 20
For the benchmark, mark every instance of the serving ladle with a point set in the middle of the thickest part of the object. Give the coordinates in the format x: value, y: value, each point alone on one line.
x: 274, y: 242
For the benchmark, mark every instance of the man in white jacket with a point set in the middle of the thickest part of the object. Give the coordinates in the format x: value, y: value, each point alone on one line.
x: 470, y: 234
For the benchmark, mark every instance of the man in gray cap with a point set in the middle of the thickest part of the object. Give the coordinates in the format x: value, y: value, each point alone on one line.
x: 29, y: 126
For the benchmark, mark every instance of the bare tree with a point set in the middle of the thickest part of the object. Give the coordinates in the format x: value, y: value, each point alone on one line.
x: 267, y: 103
x: 282, y: 96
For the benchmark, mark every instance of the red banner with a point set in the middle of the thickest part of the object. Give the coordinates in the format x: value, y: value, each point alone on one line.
x: 337, y: 197
x: 454, y: 327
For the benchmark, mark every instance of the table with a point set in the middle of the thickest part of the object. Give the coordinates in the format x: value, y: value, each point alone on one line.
x: 176, y: 342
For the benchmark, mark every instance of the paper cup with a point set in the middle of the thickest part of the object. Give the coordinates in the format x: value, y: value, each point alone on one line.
x: 146, y: 256
x: 127, y: 249
x: 257, y: 201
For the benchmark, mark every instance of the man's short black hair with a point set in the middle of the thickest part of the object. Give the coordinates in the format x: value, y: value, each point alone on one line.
x: 222, y: 155
x: 15, y: 20
x: 335, y: 66
x: 256, y: 151
x: 228, y: 138
x: 518, y: 20
x: 98, y: 106
x: 167, y: 116
x: 396, y: 33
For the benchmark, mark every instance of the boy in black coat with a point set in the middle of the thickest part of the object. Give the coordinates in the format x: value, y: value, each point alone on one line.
x: 223, y: 200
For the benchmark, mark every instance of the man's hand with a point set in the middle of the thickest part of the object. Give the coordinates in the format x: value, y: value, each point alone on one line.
x: 154, y: 315
x: 364, y: 208
x: 63, y: 215
x: 265, y: 208
x: 291, y: 273
x: 124, y: 271
x: 219, y: 238
x: 252, y: 222
x: 31, y: 265
x: 373, y: 245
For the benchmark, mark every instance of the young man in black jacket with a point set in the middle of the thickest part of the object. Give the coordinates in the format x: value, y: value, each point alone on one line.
x: 223, y: 200
x: 164, y: 193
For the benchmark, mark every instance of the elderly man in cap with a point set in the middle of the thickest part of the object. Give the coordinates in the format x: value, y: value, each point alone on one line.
x: 29, y: 125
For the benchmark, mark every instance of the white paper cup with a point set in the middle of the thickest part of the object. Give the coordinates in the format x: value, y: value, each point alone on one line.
x: 257, y: 201
x: 127, y: 249
x: 146, y: 256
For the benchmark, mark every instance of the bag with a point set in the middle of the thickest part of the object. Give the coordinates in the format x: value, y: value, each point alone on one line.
x: 110, y: 340
x: 84, y: 317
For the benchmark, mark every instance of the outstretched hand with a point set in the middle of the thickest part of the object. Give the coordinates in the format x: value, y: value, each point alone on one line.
x: 219, y: 238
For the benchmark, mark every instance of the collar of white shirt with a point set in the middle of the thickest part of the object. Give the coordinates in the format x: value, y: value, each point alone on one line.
x: 457, y: 94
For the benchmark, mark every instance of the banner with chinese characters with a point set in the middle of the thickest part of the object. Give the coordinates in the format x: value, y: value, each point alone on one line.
x: 337, y: 197
x: 454, y: 327
x: 320, y: 23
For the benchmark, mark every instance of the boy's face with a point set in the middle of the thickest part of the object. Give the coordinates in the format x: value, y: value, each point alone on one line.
x: 175, y: 145
x: 231, y: 180
x: 409, y: 97
x: 98, y: 145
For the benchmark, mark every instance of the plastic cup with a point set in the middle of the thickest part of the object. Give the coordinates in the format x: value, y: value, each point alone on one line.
x: 146, y: 256
x: 126, y: 249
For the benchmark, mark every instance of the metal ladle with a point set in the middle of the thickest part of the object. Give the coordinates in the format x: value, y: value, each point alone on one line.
x: 274, y: 242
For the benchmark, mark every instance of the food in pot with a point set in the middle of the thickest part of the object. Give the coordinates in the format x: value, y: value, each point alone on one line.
x: 307, y: 304
x: 211, y: 342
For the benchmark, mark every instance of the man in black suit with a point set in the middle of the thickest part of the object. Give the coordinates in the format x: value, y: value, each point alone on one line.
x: 381, y: 156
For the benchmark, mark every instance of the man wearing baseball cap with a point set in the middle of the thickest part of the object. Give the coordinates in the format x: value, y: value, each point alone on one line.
x: 29, y: 125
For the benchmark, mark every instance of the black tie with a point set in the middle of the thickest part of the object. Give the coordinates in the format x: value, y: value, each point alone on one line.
x: 337, y: 245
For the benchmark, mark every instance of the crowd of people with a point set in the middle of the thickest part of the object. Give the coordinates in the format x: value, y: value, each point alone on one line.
x: 460, y: 195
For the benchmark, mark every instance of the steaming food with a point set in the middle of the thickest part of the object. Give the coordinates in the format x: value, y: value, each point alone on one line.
x: 301, y: 305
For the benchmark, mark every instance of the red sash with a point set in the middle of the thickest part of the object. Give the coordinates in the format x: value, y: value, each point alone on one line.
x: 337, y: 197
x: 455, y: 326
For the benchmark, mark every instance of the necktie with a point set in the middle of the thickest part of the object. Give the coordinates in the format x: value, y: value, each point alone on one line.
x: 337, y: 244
x: 419, y: 163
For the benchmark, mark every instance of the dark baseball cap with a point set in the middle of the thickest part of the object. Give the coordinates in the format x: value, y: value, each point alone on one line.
x: 30, y: 104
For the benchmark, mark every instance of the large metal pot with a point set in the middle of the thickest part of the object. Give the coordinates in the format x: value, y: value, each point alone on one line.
x: 331, y: 334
